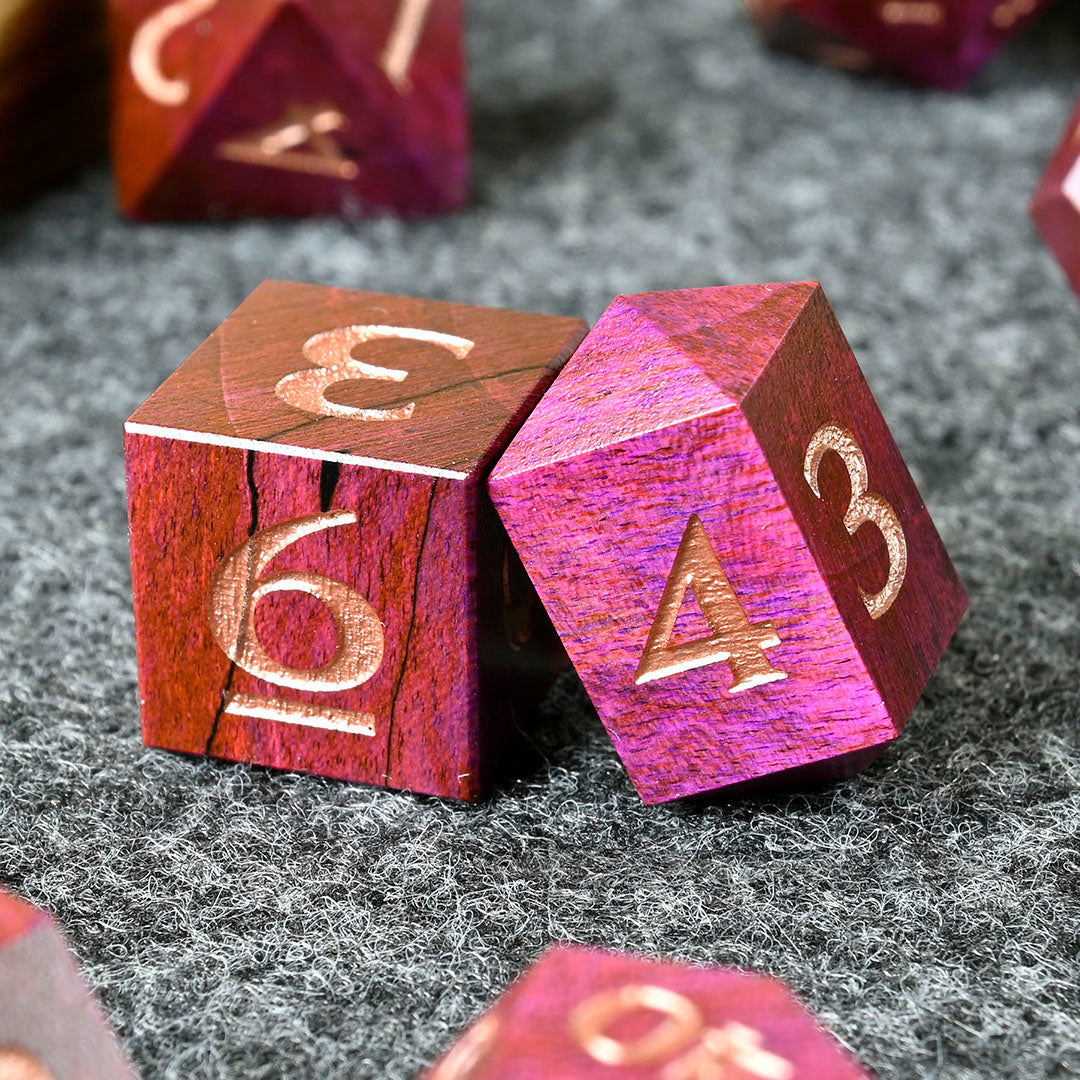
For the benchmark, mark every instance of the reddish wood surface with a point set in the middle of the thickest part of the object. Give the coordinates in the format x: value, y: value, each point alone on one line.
x: 1056, y: 206
x: 941, y: 43
x: 584, y: 1014
x: 50, y: 1026
x: 216, y: 457
x: 702, y: 403
x: 252, y: 68
x: 53, y: 79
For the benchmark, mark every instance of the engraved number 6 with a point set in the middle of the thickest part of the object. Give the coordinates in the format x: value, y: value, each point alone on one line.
x: 864, y: 506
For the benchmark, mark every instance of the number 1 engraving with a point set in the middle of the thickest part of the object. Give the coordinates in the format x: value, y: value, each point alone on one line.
x: 146, y: 46
x: 236, y: 589
x: 734, y: 639
x: 864, y: 507
x: 401, y: 45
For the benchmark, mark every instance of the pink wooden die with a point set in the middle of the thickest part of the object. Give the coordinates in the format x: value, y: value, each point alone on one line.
x: 728, y: 541
x: 321, y: 582
x: 288, y: 107
x: 1056, y: 207
x: 942, y: 43
x: 584, y: 1014
x: 50, y: 1026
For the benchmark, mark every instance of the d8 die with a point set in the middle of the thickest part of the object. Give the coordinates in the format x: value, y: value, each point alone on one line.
x: 1056, y: 207
x: 939, y: 42
x: 584, y: 1014
x: 728, y: 541
x: 50, y: 1027
x: 290, y: 107
x: 320, y: 581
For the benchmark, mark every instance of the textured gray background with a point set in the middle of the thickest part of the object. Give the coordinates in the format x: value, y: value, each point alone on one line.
x: 240, y: 923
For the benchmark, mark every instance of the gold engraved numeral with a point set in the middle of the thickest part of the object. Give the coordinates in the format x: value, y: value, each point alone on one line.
x: 471, y: 1049
x: 401, y: 45
x: 735, y: 640
x: 18, y: 1064
x: 1007, y: 12
x: 912, y: 12
x: 279, y: 146
x: 236, y: 589
x: 864, y: 506
x: 146, y: 46
x: 332, y: 351
x: 706, y: 1053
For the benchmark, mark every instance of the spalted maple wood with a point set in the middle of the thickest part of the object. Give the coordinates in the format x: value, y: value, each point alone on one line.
x: 320, y: 580
x: 50, y: 1027
x: 941, y: 43
x: 53, y: 78
x: 585, y: 1014
x: 728, y: 541
x: 1056, y: 207
x: 288, y: 107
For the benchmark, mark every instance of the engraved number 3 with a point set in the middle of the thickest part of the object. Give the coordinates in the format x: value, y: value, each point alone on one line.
x: 864, y: 507
x: 146, y: 48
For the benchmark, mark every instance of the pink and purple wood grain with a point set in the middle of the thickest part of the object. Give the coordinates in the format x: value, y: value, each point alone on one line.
x: 942, y: 43
x: 321, y: 582
x: 586, y: 1014
x: 730, y: 623
x: 50, y: 1026
x: 1056, y: 206
x: 288, y: 107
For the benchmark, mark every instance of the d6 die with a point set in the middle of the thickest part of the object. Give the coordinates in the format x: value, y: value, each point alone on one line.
x: 584, y: 1014
x: 1056, y: 207
x: 50, y: 1026
x: 288, y: 107
x: 939, y: 42
x: 721, y: 446
x: 320, y: 580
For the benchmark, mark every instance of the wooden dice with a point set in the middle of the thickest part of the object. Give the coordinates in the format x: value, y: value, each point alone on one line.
x: 288, y: 107
x: 942, y: 43
x: 728, y: 541
x: 50, y: 1026
x: 1056, y: 207
x: 320, y: 580
x: 52, y: 92
x: 584, y: 1014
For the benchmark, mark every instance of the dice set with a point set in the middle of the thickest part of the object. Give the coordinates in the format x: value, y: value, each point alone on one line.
x: 288, y: 107
x: 586, y: 1014
x: 702, y: 490
x: 942, y: 43
x: 50, y: 1026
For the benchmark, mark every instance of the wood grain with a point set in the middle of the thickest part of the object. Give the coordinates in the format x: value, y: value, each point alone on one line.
x: 1056, y: 205
x: 941, y: 43
x: 50, y: 1026
x: 249, y: 65
x: 215, y: 457
x: 587, y: 1014
x: 701, y: 403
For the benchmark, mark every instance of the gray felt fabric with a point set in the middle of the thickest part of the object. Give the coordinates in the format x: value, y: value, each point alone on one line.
x: 244, y: 923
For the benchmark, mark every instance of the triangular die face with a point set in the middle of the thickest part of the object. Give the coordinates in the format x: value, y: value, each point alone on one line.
x: 291, y: 134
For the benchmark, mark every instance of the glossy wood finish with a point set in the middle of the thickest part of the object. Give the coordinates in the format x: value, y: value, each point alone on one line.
x: 216, y: 457
x: 53, y: 78
x: 288, y: 107
x: 700, y: 405
x: 942, y: 43
x: 585, y: 1014
x: 50, y: 1027
x: 1056, y: 206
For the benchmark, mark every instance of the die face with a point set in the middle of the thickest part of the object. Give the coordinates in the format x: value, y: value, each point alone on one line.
x: 583, y: 1014
x: 707, y: 602
x: 289, y: 107
x: 866, y: 526
x: 942, y: 43
x: 51, y: 1029
x: 328, y: 611
x: 1056, y: 207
